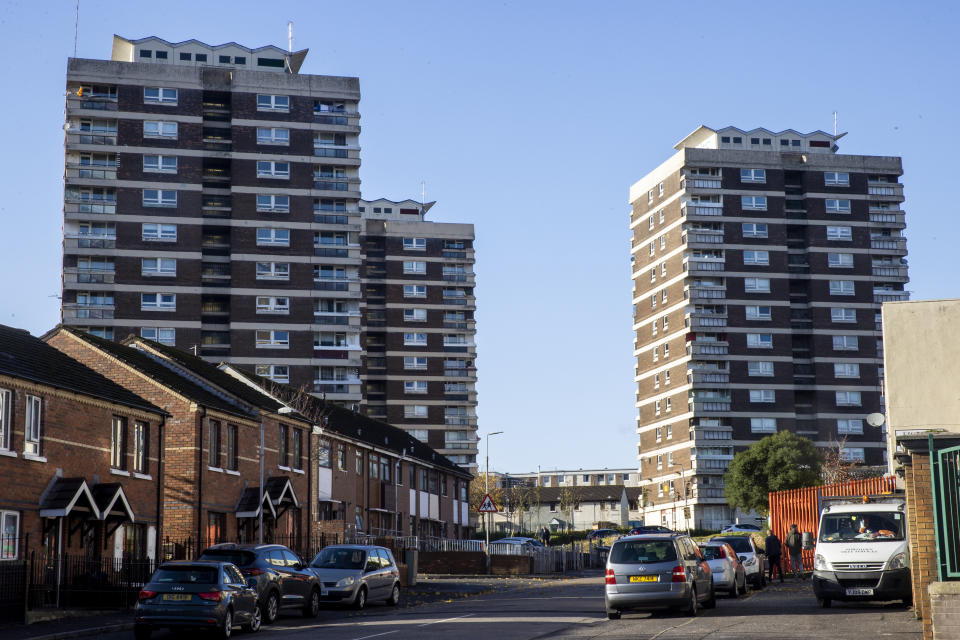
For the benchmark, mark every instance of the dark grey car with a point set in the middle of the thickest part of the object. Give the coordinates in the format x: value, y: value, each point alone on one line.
x: 282, y: 578
x: 206, y: 595
x: 657, y: 571
x: 356, y: 574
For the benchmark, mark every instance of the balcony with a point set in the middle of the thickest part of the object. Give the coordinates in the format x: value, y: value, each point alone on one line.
x: 709, y: 406
x: 700, y: 265
x: 694, y: 293
x: 74, y: 311
x: 689, y: 208
x: 92, y: 101
x: 85, y: 276
x: 890, y: 296
x: 703, y: 236
x: 460, y: 420
x: 888, y: 243
x: 888, y: 189
x: 707, y: 320
x: 76, y: 136
x: 78, y: 241
x: 887, y: 217
x: 457, y: 276
x: 712, y: 463
x: 890, y: 271
x: 700, y: 182
x: 705, y: 377
x: 331, y: 251
x: 91, y: 172
x: 708, y: 349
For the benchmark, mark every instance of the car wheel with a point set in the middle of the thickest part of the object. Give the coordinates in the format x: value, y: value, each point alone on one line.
x: 312, y: 608
x: 824, y: 603
x: 691, y: 608
x: 256, y: 620
x: 271, y: 608
x: 613, y: 615
x: 394, y: 598
x: 361, y: 600
x: 141, y: 633
x: 227, y: 629
x: 711, y: 602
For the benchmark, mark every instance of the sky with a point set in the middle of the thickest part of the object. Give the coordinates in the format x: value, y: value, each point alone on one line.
x: 530, y: 120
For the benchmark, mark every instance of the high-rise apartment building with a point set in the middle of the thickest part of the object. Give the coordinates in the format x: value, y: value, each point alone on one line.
x: 212, y: 203
x: 759, y: 264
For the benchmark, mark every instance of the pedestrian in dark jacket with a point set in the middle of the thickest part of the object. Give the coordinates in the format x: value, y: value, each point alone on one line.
x: 794, y: 544
x: 772, y: 545
x: 546, y: 536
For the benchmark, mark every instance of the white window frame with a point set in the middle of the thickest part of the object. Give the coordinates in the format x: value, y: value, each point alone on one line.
x: 842, y: 288
x: 763, y: 425
x: 763, y: 396
x: 164, y: 198
x: 753, y: 175
x: 159, y: 129
x: 9, y: 545
x: 414, y: 315
x: 273, y: 237
x: 158, y: 267
x: 660, y: 189
x: 6, y: 426
x: 163, y: 335
x: 759, y: 340
x: 414, y: 291
x: 752, y: 230
x: 836, y: 179
x: 756, y: 285
x: 417, y: 387
x: 164, y: 164
x: 33, y: 426
x: 414, y: 244
x: 273, y: 304
x: 663, y: 242
x: 272, y: 103
x: 840, y: 260
x: 650, y: 224
x: 653, y: 248
x: 414, y: 338
x: 849, y: 426
x: 415, y: 411
x: 834, y: 205
x: 839, y: 233
x: 275, y: 372
x: 273, y: 135
x: 843, y: 314
x: 415, y: 363
x: 161, y: 302
x: 272, y: 339
x: 162, y: 233
x: 273, y: 270
x: 846, y: 370
x: 845, y: 343
x: 853, y: 454
x: 756, y: 257
x: 160, y: 95
x: 661, y: 215
x: 760, y: 368
x: 753, y: 203
x: 273, y: 169
x: 849, y: 399
x: 414, y: 266
x: 273, y: 203
x: 755, y: 312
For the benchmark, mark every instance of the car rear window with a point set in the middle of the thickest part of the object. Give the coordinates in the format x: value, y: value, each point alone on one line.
x: 186, y: 575
x: 713, y: 553
x: 234, y: 556
x: 740, y: 544
x: 643, y: 551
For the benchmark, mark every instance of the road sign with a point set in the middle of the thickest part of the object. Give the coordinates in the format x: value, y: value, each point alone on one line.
x: 487, y: 506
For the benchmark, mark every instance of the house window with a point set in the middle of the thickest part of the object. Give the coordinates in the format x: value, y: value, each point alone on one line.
x: 141, y: 444
x: 846, y: 370
x: 849, y: 426
x: 414, y: 315
x: 6, y: 415
x: 213, y: 444
x: 283, y: 451
x: 753, y: 203
x: 414, y: 338
x: 760, y: 340
x: 760, y: 369
x: 839, y: 233
x: 415, y: 386
x: 159, y: 95
x: 273, y: 304
x: 163, y: 335
x: 758, y: 312
x: 158, y: 301
x: 848, y: 398
x: 275, y: 372
x: 414, y: 244
x: 118, y: 443
x: 273, y: 169
x: 272, y: 338
x: 414, y: 362
x: 233, y: 457
x: 841, y: 314
x: 836, y: 179
x: 273, y: 271
x: 158, y: 267
x: 414, y: 266
x: 159, y: 198
x: 297, y: 452
x: 415, y: 411
x: 845, y: 343
x: 753, y: 175
x: 838, y: 206
x: 841, y: 288
x: 342, y: 457
x: 763, y: 425
x: 9, y: 535
x: 159, y: 129
x: 273, y: 203
x: 269, y: 102
x: 161, y: 55
x: 762, y: 395
x: 414, y: 291
x: 160, y: 164
x: 273, y: 237
x: 756, y: 285
x: 754, y: 230
x: 840, y: 260
x: 151, y: 231
x: 756, y: 257
x: 273, y: 135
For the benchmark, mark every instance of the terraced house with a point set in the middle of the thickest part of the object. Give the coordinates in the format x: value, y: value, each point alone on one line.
x: 759, y: 261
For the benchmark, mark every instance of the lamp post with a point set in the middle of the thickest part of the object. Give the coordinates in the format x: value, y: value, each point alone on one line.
x: 486, y: 480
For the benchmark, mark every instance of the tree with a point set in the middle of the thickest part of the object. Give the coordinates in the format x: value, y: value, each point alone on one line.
x: 837, y: 468
x: 777, y: 462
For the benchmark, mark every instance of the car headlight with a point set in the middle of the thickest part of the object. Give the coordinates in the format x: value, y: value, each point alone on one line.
x: 750, y: 561
x: 346, y: 582
x: 820, y: 563
x: 899, y: 561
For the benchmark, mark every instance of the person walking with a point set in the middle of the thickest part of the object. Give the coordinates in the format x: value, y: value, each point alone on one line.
x: 794, y: 544
x: 545, y: 536
x: 774, y: 551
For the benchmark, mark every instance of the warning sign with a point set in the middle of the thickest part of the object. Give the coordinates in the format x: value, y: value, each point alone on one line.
x: 487, y: 506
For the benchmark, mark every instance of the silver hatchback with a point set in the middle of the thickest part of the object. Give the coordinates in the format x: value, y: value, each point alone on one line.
x: 356, y: 574
x: 657, y: 571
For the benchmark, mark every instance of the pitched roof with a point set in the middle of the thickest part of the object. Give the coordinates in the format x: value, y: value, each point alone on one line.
x: 587, y: 493
x: 29, y: 358
x: 155, y: 369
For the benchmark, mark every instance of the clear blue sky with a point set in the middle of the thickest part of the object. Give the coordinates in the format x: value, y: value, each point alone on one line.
x: 530, y: 120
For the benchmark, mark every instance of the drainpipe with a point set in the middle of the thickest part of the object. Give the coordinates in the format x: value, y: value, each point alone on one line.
x: 161, y: 458
x: 260, y: 504
x: 203, y: 417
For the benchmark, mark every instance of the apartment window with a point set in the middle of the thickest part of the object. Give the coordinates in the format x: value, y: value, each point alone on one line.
x: 668, y: 403
x: 273, y: 135
x: 653, y: 249
x: 852, y: 454
x: 414, y: 362
x: 414, y: 244
x: 422, y: 436
x: 9, y: 535
x: 273, y: 271
x: 415, y: 339
x: 846, y: 370
x: 845, y: 343
x: 341, y: 457
x: 656, y: 408
x: 762, y: 395
x: 661, y: 216
x: 840, y: 260
x: 756, y: 257
x: 663, y: 296
x: 160, y: 164
x: 754, y: 229
x: 758, y: 312
x: 763, y: 425
x: 414, y: 386
x: 414, y: 315
x: 848, y: 398
x: 753, y: 203
x: 297, y: 452
x: 273, y: 304
x: 760, y: 369
x: 158, y: 267
x: 414, y: 291
x: 283, y: 446
x: 753, y: 175
x: 151, y: 231
x: 6, y: 415
x: 660, y: 189
x: 653, y: 328
x: 159, y: 129
x: 756, y: 285
x: 272, y: 338
x: 663, y: 269
x: 415, y: 411
x: 233, y: 441
x: 841, y: 288
x: 275, y: 372
x: 159, y: 95
x: 163, y: 335
x: 653, y: 301
x: 273, y: 169
x: 118, y: 443
x: 414, y: 266
x: 836, y: 179
x: 666, y: 380
x: 269, y: 102
x: 650, y: 224
x: 653, y: 274
x: 760, y: 340
x: 839, y: 233
x: 663, y: 242
x: 273, y: 203
x: 841, y: 314
x: 838, y: 206
x: 328, y: 339
x: 158, y: 301
x: 849, y: 426
x: 649, y: 196
x: 273, y: 237
x: 159, y: 198
x: 660, y: 462
x: 666, y: 350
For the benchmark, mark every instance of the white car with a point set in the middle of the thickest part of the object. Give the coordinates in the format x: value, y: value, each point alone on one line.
x: 753, y: 560
x: 741, y: 528
x: 728, y: 573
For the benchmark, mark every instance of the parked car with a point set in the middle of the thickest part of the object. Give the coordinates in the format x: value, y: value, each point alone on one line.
x: 741, y: 527
x: 531, y: 544
x: 657, y: 571
x: 357, y: 574
x: 282, y: 578
x: 754, y: 561
x: 728, y: 573
x: 602, y: 533
x: 205, y: 595
x: 636, y: 531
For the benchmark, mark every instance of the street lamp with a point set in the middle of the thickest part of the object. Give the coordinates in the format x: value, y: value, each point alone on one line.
x: 486, y: 479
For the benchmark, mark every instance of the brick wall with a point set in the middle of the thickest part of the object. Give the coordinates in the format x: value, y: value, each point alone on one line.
x: 945, y: 610
x: 923, y: 550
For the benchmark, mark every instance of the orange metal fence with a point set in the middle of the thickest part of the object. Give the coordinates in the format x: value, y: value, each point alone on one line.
x: 802, y: 507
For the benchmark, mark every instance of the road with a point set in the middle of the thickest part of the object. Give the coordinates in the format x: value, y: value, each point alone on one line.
x: 573, y: 609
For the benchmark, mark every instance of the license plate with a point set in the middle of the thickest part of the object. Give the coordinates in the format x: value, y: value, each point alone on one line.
x: 644, y: 578
x: 182, y: 597
x: 859, y: 592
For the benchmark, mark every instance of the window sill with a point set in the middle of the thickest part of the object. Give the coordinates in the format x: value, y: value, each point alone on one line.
x: 231, y: 472
x: 119, y: 472
x: 34, y: 458
x: 8, y: 453
x: 142, y: 476
x: 300, y: 471
x: 217, y: 469
x: 283, y: 468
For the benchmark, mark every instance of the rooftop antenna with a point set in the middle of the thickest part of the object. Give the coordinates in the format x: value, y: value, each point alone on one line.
x: 76, y: 27
x: 835, y: 130
x: 289, y: 35
x: 423, y: 195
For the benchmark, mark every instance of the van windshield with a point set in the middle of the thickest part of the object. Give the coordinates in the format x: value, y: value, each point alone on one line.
x: 866, y: 526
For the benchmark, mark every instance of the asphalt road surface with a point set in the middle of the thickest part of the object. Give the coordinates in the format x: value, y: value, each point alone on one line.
x: 573, y: 608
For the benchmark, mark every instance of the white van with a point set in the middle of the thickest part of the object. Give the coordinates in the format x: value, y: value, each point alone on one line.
x: 862, y: 551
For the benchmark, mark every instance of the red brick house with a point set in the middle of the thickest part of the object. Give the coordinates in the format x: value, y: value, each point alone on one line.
x: 79, y: 462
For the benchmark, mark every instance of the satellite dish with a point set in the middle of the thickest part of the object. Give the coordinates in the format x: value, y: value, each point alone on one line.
x: 876, y: 419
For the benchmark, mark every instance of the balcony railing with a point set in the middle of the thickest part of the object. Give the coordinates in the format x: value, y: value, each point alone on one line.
x: 884, y: 189
x: 709, y: 405
x: 700, y: 182
x: 701, y: 265
x: 92, y: 242
x: 708, y: 321
x: 712, y: 293
x: 887, y: 217
x: 698, y: 377
x: 701, y: 208
x: 708, y: 349
x: 459, y: 420
x: 75, y: 136
x: 703, y: 237
x: 890, y: 272
x: 99, y: 276
x: 90, y: 312
x: 92, y: 172
x: 890, y: 296
x: 895, y: 244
